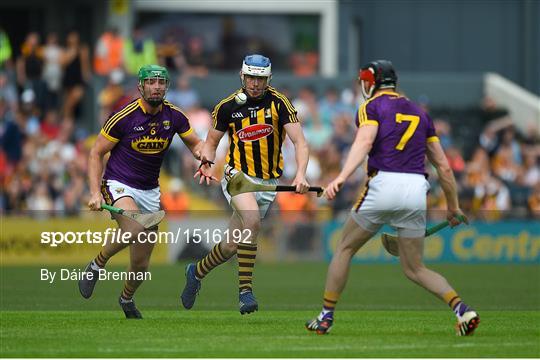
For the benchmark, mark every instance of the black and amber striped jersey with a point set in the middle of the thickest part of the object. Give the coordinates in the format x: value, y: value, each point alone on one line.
x: 256, y: 132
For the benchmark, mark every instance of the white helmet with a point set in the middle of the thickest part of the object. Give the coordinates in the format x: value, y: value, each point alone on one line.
x: 256, y: 65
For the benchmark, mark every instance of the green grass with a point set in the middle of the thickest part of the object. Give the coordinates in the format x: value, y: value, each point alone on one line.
x: 380, y: 314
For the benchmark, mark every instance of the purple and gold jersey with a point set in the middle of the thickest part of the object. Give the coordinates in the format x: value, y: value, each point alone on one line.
x: 141, y: 142
x: 404, y: 130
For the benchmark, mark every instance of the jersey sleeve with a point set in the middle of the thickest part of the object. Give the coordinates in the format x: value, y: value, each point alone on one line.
x: 287, y: 113
x: 180, y: 120
x: 431, y: 133
x: 112, y: 129
x: 367, y: 115
x: 220, y: 119
x: 183, y: 127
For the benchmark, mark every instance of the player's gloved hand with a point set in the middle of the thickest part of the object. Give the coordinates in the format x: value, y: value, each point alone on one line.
x: 96, y: 199
x: 302, y: 186
x: 204, y: 172
x: 333, y: 188
x: 456, y: 217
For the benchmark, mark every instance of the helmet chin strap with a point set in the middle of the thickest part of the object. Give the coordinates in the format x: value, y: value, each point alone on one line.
x: 369, y: 93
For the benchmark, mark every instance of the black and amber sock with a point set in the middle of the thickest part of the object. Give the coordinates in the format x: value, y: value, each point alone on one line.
x: 214, y: 258
x: 452, y: 299
x: 246, y: 254
x: 128, y: 292
x: 101, y: 259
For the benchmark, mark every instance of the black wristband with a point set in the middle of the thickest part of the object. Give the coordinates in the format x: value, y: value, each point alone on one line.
x: 204, y: 162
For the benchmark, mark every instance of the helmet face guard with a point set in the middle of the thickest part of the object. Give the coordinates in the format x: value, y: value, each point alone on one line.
x: 256, y: 65
x: 379, y: 74
x: 153, y: 72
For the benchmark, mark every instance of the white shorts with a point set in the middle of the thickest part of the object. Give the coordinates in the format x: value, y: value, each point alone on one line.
x: 146, y: 200
x: 396, y: 199
x: 264, y: 198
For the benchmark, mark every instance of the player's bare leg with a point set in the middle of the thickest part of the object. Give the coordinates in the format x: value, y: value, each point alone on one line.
x: 353, y: 238
x: 86, y: 285
x: 411, y: 257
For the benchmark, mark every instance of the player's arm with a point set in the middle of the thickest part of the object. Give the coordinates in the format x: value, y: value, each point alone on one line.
x: 365, y: 136
x: 210, y: 145
x: 295, y: 133
x: 193, y: 143
x: 436, y: 156
x: 95, y: 169
x: 220, y: 124
x: 208, y: 155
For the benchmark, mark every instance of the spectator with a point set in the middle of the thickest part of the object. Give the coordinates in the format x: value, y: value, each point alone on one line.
x: 76, y: 61
x: 139, y: 51
x: 343, y: 134
x: 50, y: 126
x: 231, y: 45
x: 108, y: 52
x: 113, y: 96
x: 444, y: 132
x: 170, y: 53
x: 505, y: 166
x: 331, y: 106
x: 491, y: 198
x: 52, y: 71
x: 195, y: 58
x: 176, y: 200
x: 40, y: 201
x: 455, y: 160
x: 184, y: 95
x: 5, y: 49
x: 317, y: 133
x: 530, y: 175
x: 534, y: 202
x: 11, y: 136
x: 304, y: 63
x: 72, y: 197
x: 29, y: 113
x: 489, y: 138
x: 490, y: 110
x: 8, y: 93
x: 30, y: 68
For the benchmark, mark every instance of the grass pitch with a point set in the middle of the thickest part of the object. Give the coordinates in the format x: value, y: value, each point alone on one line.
x: 380, y: 314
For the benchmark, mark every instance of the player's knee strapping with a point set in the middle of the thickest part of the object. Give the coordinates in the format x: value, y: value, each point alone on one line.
x: 214, y: 258
x: 246, y: 254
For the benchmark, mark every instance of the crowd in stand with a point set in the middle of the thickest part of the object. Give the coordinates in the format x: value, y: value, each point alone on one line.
x: 43, y: 155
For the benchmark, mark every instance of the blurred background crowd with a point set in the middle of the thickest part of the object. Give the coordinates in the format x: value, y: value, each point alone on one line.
x: 45, y: 144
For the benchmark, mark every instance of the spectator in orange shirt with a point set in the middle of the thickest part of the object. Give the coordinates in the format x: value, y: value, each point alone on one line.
x: 108, y: 52
x: 175, y: 201
x: 534, y: 202
x: 295, y: 208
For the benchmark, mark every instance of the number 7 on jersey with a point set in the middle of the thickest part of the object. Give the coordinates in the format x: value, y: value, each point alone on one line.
x: 413, y: 120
